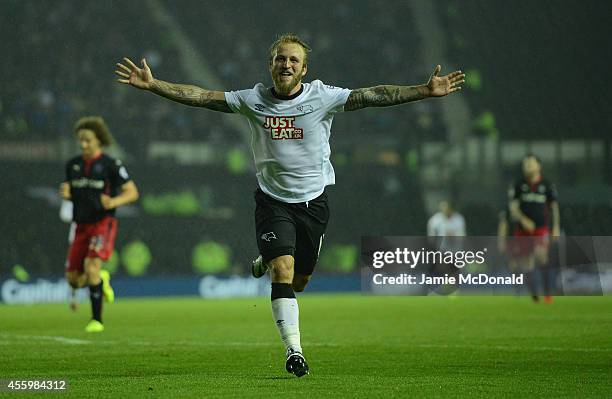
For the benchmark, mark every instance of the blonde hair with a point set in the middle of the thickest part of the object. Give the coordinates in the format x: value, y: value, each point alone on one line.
x: 286, y: 38
x: 98, y: 126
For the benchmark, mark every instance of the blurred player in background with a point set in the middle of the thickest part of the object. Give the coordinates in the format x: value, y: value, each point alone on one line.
x: 447, y: 222
x: 96, y: 184
x: 291, y: 123
x: 445, y: 232
x: 535, y: 212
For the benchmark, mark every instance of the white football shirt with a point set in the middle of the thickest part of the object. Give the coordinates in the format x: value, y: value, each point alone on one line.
x: 441, y: 226
x: 290, y: 138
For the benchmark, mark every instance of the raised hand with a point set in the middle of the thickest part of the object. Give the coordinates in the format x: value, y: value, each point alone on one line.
x: 132, y: 75
x: 442, y: 85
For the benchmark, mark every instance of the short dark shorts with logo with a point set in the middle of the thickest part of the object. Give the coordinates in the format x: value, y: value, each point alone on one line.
x: 291, y: 229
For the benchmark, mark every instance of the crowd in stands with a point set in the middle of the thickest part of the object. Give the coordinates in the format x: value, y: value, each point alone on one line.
x: 62, y: 56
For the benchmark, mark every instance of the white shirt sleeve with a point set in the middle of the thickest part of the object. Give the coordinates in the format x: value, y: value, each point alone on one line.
x: 236, y: 100
x: 333, y: 97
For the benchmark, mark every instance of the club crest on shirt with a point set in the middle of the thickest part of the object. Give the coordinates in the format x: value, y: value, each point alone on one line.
x: 306, y: 108
x: 283, y: 128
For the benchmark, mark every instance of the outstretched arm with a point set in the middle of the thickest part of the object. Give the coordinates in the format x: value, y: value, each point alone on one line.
x: 387, y: 95
x: 194, y: 96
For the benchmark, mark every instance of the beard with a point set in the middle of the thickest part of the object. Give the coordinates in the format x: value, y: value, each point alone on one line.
x: 284, y: 87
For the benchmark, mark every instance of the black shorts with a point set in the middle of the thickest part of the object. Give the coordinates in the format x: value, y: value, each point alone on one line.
x: 291, y: 229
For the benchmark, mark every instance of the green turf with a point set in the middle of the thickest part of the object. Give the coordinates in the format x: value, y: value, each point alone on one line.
x: 357, y: 346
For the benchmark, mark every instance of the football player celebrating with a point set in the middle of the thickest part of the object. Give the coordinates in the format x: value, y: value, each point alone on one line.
x: 291, y: 123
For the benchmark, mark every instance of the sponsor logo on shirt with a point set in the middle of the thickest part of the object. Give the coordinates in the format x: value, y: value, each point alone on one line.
x: 533, y: 197
x: 283, y: 128
x: 84, y: 183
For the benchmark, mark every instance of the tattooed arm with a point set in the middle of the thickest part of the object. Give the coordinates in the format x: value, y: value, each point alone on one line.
x: 383, y: 96
x: 191, y: 95
x: 194, y: 96
x: 387, y: 95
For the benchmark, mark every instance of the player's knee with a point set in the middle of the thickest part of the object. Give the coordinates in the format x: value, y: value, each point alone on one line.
x: 92, y: 268
x: 282, y: 267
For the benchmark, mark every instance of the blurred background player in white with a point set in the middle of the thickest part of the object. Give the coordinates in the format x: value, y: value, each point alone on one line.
x: 445, y: 231
x: 96, y: 184
x: 535, y: 212
x: 447, y: 222
x: 290, y: 124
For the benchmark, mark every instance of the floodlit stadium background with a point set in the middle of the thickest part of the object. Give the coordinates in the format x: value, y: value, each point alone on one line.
x: 537, y: 81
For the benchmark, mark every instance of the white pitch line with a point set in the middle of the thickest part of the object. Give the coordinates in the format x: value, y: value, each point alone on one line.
x: 215, y: 344
x: 74, y: 341
x: 509, y: 348
x: 63, y: 340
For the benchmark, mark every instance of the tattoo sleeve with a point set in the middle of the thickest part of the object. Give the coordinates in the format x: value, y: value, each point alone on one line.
x: 383, y: 96
x: 191, y: 95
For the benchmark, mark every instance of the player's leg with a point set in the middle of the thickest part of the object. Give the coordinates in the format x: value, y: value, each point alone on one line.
x: 75, y: 280
x: 285, y: 310
x: 107, y: 232
x: 541, y: 251
x: 74, y: 271
x: 92, y: 269
x: 524, y: 256
x: 275, y: 229
x: 527, y: 262
x: 306, y: 256
x: 100, y: 249
x: 311, y: 223
x: 286, y: 313
x: 269, y: 215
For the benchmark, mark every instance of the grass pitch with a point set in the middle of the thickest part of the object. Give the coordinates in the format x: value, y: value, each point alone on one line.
x: 357, y: 346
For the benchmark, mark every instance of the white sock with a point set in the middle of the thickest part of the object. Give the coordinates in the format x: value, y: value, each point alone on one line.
x: 286, y: 314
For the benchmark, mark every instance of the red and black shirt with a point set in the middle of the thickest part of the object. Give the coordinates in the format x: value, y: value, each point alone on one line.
x: 89, y: 179
x: 535, y: 199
